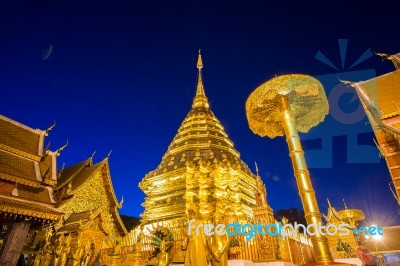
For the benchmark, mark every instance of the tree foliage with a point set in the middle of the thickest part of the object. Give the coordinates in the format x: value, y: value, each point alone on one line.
x: 130, y: 222
x: 292, y: 214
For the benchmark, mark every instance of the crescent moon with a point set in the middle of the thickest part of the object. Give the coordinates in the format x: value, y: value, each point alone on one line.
x: 49, y: 52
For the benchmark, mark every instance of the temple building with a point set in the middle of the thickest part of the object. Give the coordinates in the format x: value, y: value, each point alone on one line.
x: 48, y: 214
x: 28, y: 175
x: 343, y: 246
x: 380, y: 98
x: 85, y: 195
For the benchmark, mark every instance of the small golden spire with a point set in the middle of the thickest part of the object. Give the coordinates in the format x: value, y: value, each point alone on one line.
x: 199, y: 61
x: 329, y: 203
x: 345, y: 205
x: 256, y: 168
x: 200, y: 99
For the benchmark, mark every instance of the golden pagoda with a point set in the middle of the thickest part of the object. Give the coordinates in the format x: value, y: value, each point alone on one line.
x: 201, y: 167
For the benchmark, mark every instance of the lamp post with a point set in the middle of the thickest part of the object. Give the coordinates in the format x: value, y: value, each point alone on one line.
x: 379, y: 256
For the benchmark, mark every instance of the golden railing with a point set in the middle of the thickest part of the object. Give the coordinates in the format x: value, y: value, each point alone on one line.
x: 295, y: 248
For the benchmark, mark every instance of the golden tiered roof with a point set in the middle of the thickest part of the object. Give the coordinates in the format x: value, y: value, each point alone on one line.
x: 201, y: 146
x: 383, y: 93
x: 380, y: 98
x: 350, y: 216
x: 27, y: 172
x: 201, y: 137
x: 18, y: 137
x: 86, y: 187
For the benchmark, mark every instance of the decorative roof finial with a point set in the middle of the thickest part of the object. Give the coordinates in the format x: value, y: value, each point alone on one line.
x: 256, y: 168
x: 329, y: 203
x: 345, y: 205
x: 348, y: 83
x: 47, y: 147
x: 58, y: 152
x: 108, y: 155
x: 200, y: 99
x: 61, y: 170
x: 119, y: 204
x: 50, y: 128
x: 91, y: 156
x: 384, y: 56
x: 394, y: 58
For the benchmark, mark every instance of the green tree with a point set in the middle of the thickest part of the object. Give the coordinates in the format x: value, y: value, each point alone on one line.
x: 292, y: 214
x: 130, y: 222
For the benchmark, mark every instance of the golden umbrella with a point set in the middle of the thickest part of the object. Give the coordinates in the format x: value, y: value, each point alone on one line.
x: 306, y: 98
x: 285, y: 105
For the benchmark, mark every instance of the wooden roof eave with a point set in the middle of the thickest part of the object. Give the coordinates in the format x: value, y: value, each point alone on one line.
x: 108, y: 181
x: 29, y: 208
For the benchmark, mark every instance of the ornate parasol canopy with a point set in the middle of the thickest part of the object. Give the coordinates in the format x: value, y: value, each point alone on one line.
x: 352, y: 214
x: 307, y: 101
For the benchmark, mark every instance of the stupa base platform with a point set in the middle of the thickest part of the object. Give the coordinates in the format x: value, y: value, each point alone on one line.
x: 250, y: 263
x: 338, y: 262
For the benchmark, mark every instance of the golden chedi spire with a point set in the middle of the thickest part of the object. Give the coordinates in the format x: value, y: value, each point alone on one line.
x: 201, y: 136
x: 200, y: 159
x: 200, y: 100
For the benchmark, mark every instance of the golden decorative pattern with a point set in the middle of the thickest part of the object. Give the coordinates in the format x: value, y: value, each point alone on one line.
x: 307, y: 101
x: 93, y: 193
x: 19, y: 137
x: 38, y: 194
x: 15, y: 166
x: 29, y: 209
x: 90, y: 195
x: 19, y: 152
x: 19, y: 180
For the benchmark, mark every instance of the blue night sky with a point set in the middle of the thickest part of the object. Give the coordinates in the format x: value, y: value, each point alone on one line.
x: 121, y: 76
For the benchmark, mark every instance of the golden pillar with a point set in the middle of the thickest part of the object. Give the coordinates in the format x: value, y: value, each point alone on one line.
x: 285, y: 105
x: 306, y: 191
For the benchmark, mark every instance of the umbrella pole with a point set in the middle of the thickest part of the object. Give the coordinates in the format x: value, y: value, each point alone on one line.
x: 306, y: 191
